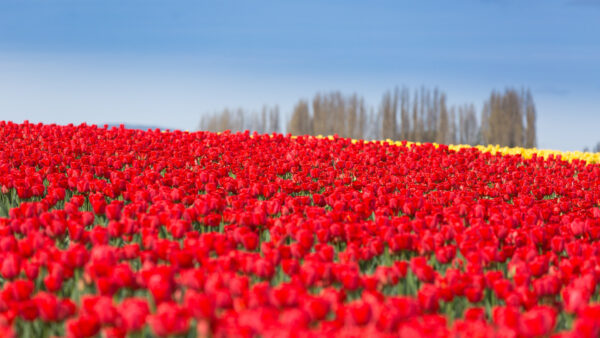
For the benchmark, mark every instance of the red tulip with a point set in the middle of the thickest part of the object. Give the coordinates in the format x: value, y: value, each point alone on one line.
x: 10, y: 266
x: 21, y: 289
x: 134, y: 312
x: 48, y: 306
x: 575, y: 299
x: 428, y: 298
x: 83, y: 326
x: 170, y: 319
x: 359, y: 313
x: 538, y: 321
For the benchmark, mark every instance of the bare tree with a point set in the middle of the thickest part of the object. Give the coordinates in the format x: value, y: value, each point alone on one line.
x: 301, y: 122
x: 405, y: 126
x: 418, y: 112
x: 423, y: 109
x: 453, y: 127
x: 357, y: 118
x: 388, y: 110
x: 442, y: 130
x: 512, y: 106
x: 486, y: 122
x: 323, y: 116
x: 433, y: 110
x: 508, y: 118
x: 264, y: 121
x: 530, y: 117
x: 334, y: 113
x: 468, y: 128
x: 238, y: 123
x: 274, y: 119
x: 503, y: 119
x: 495, y: 123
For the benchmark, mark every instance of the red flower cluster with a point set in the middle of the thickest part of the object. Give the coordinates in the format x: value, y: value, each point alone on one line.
x: 126, y: 232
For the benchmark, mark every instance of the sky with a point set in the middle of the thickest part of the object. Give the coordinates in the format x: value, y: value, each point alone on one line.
x: 166, y: 63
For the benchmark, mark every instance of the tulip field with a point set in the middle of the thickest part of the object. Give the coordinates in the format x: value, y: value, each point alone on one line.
x: 128, y: 233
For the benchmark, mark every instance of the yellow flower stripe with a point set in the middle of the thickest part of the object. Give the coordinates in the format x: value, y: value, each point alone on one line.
x: 526, y: 153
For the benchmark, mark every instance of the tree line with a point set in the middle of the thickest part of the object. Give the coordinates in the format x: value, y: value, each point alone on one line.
x: 594, y: 149
x: 508, y: 118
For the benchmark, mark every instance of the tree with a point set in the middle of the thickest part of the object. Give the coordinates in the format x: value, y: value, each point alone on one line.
x: 388, y: 110
x: 493, y: 122
x: 324, y: 111
x: 423, y: 111
x: 595, y: 149
x: 530, y: 117
x: 453, y: 127
x: 357, y: 119
x: 468, y: 128
x: 508, y: 118
x: 442, y: 130
x: 417, y: 121
x: 264, y: 121
x: 301, y: 122
x: 512, y: 106
x: 433, y: 113
x: 272, y: 116
x: 405, y: 126
x: 503, y: 119
x: 334, y: 113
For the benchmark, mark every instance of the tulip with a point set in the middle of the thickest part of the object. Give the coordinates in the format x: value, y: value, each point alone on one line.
x: 10, y: 266
x: 170, y: 319
x: 134, y: 312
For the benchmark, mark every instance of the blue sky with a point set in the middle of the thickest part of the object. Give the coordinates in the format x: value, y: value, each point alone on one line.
x: 167, y: 62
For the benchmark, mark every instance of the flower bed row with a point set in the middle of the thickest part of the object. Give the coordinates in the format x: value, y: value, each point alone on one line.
x: 123, y: 232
